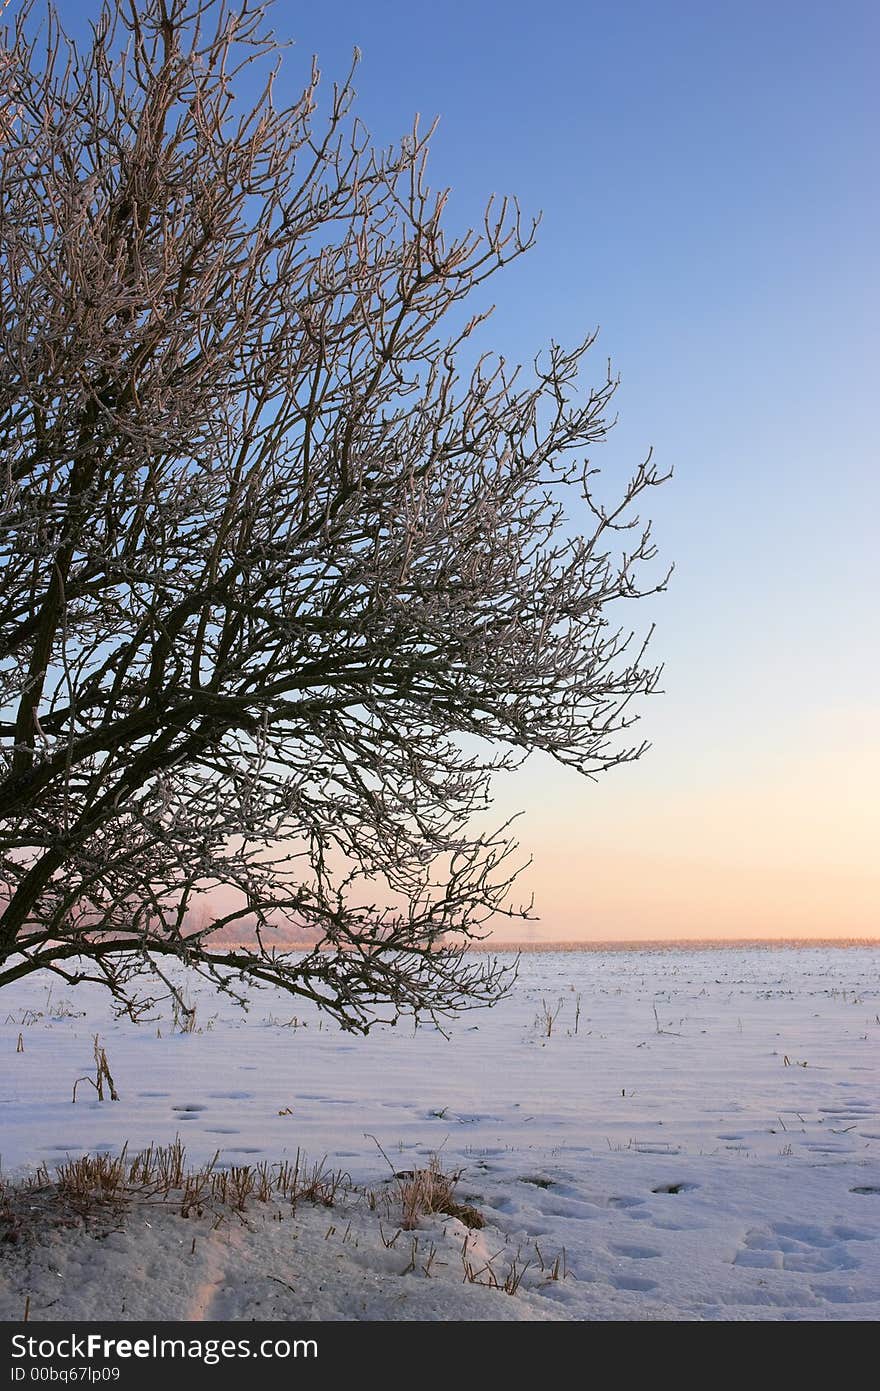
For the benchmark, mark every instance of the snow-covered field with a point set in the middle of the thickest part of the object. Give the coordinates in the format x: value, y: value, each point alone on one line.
x: 697, y: 1137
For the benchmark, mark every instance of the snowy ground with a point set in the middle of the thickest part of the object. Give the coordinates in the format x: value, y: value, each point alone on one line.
x: 717, y: 1159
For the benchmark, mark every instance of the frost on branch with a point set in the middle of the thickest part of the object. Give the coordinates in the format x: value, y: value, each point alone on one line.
x: 288, y: 569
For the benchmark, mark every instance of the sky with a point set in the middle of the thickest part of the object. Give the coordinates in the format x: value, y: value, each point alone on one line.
x: 708, y: 185
x: 708, y: 182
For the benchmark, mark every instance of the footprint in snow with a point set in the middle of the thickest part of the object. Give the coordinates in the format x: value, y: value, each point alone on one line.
x: 795, y: 1246
x: 836, y: 1294
x: 633, y: 1282
x: 635, y: 1253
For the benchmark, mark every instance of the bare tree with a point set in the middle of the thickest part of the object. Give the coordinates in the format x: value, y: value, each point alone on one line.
x: 288, y: 571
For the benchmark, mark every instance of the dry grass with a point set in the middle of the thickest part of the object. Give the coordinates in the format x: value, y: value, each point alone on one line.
x: 511, y: 1275
x: 422, y: 1192
x: 94, y: 1186
x: 508, y: 1280
x: 547, y: 1017
x: 102, y: 1074
x: 183, y: 1015
x: 162, y: 1172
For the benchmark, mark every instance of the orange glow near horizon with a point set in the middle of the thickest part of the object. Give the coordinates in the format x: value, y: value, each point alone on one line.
x: 783, y: 846
x: 770, y: 839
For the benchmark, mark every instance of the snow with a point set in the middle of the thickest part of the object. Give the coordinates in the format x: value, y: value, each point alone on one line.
x: 703, y: 1145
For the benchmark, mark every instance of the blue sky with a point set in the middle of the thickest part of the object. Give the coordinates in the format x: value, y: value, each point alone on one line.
x: 707, y: 176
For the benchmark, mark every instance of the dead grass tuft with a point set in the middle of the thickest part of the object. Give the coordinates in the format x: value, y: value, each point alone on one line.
x: 423, y: 1192
x: 91, y: 1187
x: 102, y: 1075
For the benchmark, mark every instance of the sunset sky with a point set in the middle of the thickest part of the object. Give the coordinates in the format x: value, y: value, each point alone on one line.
x: 707, y: 175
